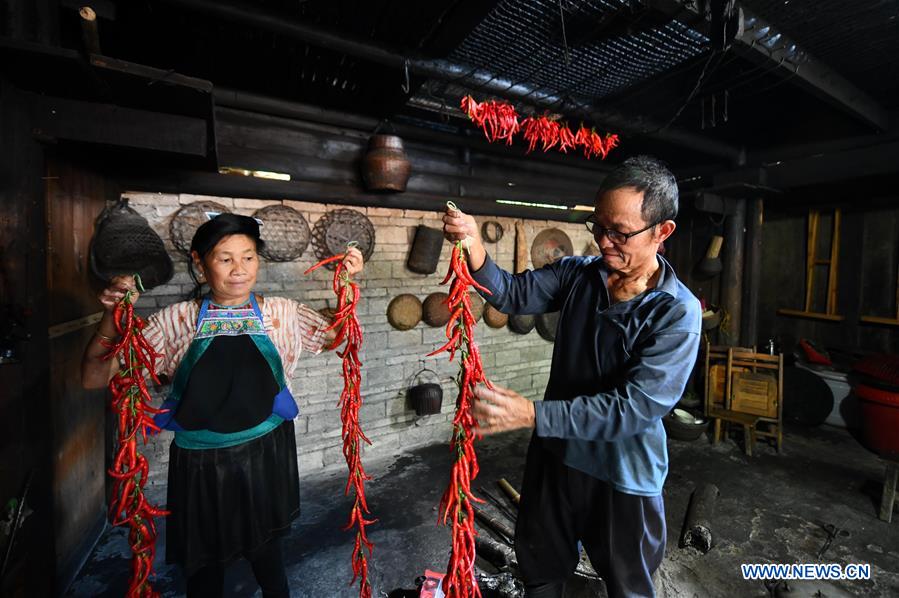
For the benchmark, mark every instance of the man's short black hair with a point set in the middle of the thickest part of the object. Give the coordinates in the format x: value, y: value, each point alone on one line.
x: 652, y: 177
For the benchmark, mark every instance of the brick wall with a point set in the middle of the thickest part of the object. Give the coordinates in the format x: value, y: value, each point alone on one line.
x: 390, y: 357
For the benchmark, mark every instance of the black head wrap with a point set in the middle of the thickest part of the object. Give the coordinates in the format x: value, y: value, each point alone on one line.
x: 210, y: 233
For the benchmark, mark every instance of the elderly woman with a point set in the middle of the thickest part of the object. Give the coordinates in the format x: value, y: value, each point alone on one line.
x: 233, y: 487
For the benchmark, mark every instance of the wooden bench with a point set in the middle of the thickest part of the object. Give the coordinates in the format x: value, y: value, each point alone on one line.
x: 748, y: 421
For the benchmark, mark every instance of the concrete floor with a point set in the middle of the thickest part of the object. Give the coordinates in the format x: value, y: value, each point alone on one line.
x: 771, y: 510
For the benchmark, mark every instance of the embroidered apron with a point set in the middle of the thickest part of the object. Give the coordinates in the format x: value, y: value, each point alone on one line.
x: 227, y: 321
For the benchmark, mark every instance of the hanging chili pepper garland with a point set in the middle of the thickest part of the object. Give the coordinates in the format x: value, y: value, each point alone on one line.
x: 567, y: 139
x: 456, y: 503
x: 499, y: 120
x: 348, y: 329
x: 594, y: 144
x: 131, y: 402
x: 541, y: 129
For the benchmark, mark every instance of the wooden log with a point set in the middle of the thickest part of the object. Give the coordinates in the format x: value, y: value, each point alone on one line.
x: 521, y: 248
x: 698, y: 522
x: 89, y: 32
x: 207, y: 183
x: 497, y: 554
x: 255, y: 131
x: 497, y: 525
x: 329, y: 159
x: 511, y: 492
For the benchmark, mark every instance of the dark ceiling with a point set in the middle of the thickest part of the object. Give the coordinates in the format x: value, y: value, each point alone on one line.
x: 858, y: 39
x: 650, y: 61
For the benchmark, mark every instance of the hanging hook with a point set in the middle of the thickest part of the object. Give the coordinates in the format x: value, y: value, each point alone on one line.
x: 406, y: 86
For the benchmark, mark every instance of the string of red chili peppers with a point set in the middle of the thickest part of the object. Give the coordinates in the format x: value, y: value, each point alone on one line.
x: 499, y: 120
x: 131, y: 402
x: 348, y: 329
x: 456, y: 503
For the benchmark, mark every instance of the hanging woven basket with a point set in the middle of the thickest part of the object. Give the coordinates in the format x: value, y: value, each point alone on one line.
x: 336, y: 228
x: 425, y: 252
x: 404, y: 311
x: 521, y: 324
x: 188, y: 219
x: 546, y: 325
x: 434, y: 310
x: 477, y: 306
x: 284, y: 231
x: 494, y: 317
x: 124, y: 244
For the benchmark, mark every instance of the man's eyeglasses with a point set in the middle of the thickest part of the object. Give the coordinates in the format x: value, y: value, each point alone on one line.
x: 616, y: 237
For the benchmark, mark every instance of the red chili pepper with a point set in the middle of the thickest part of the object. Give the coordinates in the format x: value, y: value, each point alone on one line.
x: 456, y: 502
x: 324, y: 262
x: 130, y: 470
x: 348, y: 330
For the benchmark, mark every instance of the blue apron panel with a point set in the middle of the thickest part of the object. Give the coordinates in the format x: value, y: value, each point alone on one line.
x: 284, y: 405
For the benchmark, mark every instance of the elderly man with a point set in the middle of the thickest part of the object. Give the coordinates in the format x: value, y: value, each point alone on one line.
x: 626, y: 343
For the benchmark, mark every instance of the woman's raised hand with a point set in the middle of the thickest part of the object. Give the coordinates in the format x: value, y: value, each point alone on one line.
x: 115, y: 292
x: 353, y: 261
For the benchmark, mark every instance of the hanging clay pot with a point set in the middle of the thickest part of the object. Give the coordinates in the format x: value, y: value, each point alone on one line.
x: 385, y: 167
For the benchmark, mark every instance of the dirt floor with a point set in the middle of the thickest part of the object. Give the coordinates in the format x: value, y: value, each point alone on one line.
x: 772, y: 509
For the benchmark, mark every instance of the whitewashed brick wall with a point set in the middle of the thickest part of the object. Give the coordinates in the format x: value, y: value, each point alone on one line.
x: 390, y: 357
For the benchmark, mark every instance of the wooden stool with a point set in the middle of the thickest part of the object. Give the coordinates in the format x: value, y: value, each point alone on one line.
x: 746, y: 420
x: 889, y: 487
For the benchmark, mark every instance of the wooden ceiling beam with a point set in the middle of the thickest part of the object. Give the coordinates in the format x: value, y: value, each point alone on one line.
x: 764, y: 43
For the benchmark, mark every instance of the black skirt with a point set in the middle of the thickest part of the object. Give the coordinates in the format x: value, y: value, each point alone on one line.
x: 228, y: 502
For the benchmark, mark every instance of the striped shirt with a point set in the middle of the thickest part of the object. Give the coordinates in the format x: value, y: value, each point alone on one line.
x: 293, y: 328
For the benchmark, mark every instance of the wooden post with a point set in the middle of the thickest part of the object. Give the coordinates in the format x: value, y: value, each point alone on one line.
x: 732, y: 275
x: 89, y: 33
x: 834, y: 267
x: 521, y: 248
x: 752, y: 279
x: 811, y: 245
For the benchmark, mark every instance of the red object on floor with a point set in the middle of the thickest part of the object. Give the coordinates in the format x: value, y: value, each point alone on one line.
x: 883, y: 369
x: 880, y: 418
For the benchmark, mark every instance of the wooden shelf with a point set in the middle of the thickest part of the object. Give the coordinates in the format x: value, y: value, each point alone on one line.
x: 798, y: 313
x: 879, y: 320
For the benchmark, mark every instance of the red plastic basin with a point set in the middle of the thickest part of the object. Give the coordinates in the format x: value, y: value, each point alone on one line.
x: 880, y: 418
